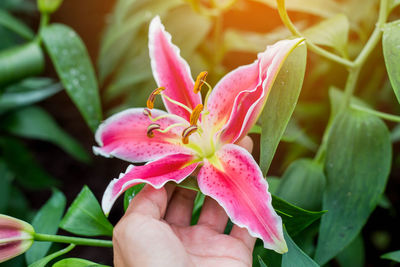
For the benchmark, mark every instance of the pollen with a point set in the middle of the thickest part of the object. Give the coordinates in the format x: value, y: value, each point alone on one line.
x: 151, y: 128
x: 150, y: 100
x: 194, y: 116
x: 200, y: 80
x: 187, y: 132
x: 147, y: 112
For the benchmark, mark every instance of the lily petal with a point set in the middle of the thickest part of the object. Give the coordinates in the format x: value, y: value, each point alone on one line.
x: 124, y: 135
x: 247, y: 88
x: 170, y: 168
x: 235, y: 181
x: 171, y: 71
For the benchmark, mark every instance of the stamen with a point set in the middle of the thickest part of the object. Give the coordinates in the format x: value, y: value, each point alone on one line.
x: 152, y: 127
x: 208, y: 92
x: 187, y: 132
x: 200, y: 80
x: 177, y: 103
x: 147, y: 112
x: 170, y: 127
x: 194, y: 117
x: 150, y: 100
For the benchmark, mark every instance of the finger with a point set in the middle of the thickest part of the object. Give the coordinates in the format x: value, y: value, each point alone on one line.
x: 243, y: 235
x: 150, y: 202
x: 213, y: 215
x: 246, y: 143
x: 179, y: 211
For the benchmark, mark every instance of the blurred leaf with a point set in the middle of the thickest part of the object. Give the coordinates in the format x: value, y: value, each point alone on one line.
x: 336, y: 96
x: 261, y: 262
x: 42, y: 262
x: 85, y: 217
x: 295, y: 256
x: 27, y: 92
x: 126, y: 21
x: 280, y: 104
x: 198, y: 204
x: 326, y: 8
x: 76, y: 262
x: 391, y: 52
x: 22, y: 163
x: 15, y: 25
x: 332, y: 32
x: 71, y: 60
x: 357, y: 166
x: 303, y: 184
x: 131, y: 193
x: 18, y: 5
x: 293, y: 133
x: 273, y: 184
x: 19, y: 206
x: 395, y: 134
x: 20, y: 62
x: 394, y: 256
x: 353, y: 255
x: 5, y: 185
x: 46, y: 222
x: 35, y: 122
x: 393, y: 4
x: 294, y: 218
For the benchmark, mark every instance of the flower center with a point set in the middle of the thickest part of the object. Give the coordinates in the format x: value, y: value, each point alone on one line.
x: 194, y: 136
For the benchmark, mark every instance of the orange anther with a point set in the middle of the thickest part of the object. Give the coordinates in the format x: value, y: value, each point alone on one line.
x: 200, y: 80
x: 194, y: 117
x: 150, y: 100
x: 187, y: 132
x: 151, y: 128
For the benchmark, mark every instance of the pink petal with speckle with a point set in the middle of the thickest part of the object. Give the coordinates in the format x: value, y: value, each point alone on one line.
x: 170, y: 70
x: 237, y: 184
x: 170, y: 168
x: 124, y: 135
x: 248, y: 87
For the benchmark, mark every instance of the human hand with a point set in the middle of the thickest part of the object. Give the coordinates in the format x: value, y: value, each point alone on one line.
x: 156, y: 231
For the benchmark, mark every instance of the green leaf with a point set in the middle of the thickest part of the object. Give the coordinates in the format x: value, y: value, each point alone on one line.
x: 295, y: 256
x: 5, y: 185
x: 18, y: 5
x: 72, y: 63
x: 26, y: 92
x: 391, y: 53
x: 77, y: 262
x: 293, y: 133
x: 326, y: 8
x: 42, y: 262
x: 303, y: 184
x: 131, y: 193
x: 280, y: 104
x: 332, y: 32
x: 46, y: 222
x: 294, y: 218
x: 20, y: 62
x: 8, y: 21
x: 394, y: 256
x: 22, y: 163
x: 35, y: 122
x: 357, y: 166
x: 353, y: 255
x: 85, y: 217
x: 261, y: 262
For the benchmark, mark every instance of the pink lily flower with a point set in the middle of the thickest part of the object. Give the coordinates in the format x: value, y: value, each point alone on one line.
x: 16, y: 237
x: 191, y: 135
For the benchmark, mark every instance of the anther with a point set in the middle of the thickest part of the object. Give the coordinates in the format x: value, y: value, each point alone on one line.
x: 147, y: 112
x: 201, y: 78
x: 150, y: 100
x: 151, y: 128
x: 194, y: 116
x: 187, y: 132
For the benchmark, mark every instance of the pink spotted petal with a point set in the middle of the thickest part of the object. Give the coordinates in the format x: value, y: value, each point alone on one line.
x: 252, y: 85
x: 16, y: 237
x: 124, y: 135
x: 234, y: 179
x: 170, y: 168
x: 170, y: 70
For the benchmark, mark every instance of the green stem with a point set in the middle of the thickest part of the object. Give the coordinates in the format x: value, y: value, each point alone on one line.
x: 44, y: 21
x: 350, y: 86
x: 382, y: 115
x: 73, y: 240
x: 316, y: 49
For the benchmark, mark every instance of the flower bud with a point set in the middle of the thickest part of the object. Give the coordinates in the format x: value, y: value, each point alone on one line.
x: 48, y: 6
x: 16, y: 237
